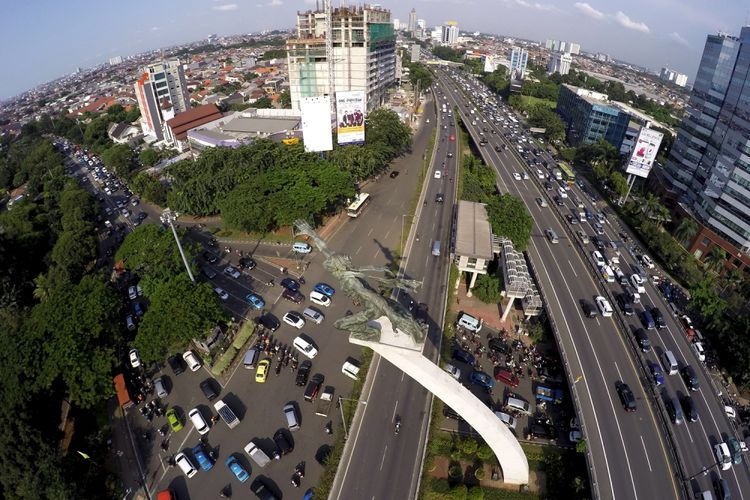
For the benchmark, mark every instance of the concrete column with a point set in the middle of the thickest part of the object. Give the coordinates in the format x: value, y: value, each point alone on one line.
x: 508, y: 308
x: 472, y: 283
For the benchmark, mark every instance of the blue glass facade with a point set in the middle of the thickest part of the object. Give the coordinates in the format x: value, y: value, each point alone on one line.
x: 588, y: 119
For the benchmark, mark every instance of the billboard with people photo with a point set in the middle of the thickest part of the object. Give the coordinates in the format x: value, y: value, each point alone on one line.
x: 644, y: 152
x: 350, y: 117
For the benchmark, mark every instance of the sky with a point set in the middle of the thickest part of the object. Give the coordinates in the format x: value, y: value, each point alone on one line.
x: 43, y: 40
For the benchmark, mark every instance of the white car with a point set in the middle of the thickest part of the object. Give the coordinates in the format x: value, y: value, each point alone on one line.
x: 722, y: 456
x: 604, y: 307
x: 198, y: 421
x: 575, y: 436
x: 192, y: 361
x: 637, y: 283
x: 455, y: 372
x: 699, y: 351
x: 598, y: 258
x: 132, y: 293
x: 561, y: 191
x: 320, y: 298
x: 185, y: 465
x: 231, y: 271
x: 517, y: 176
x: 305, y: 347
x: 525, y: 176
x: 647, y: 262
x: 539, y: 174
x: 437, y: 174
x: 135, y: 359
x: 223, y: 295
x: 293, y: 319
x: 541, y: 202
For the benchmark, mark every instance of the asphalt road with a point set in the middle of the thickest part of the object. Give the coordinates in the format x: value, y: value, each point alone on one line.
x: 378, y: 464
x: 628, y: 451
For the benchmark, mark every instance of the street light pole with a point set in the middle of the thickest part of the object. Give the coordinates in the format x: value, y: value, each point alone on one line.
x: 168, y: 217
x: 343, y: 419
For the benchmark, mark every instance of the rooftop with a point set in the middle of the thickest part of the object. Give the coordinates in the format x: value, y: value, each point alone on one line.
x: 473, y: 231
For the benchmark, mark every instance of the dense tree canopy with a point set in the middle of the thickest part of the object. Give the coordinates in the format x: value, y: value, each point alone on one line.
x: 449, y: 54
x: 509, y: 218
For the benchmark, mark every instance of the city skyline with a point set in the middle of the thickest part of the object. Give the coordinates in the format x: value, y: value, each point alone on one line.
x: 70, y: 35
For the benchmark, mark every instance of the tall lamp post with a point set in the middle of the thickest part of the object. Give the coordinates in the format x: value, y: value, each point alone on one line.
x: 343, y: 418
x: 168, y: 217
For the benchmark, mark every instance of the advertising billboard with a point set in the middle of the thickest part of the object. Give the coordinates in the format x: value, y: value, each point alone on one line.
x: 316, y: 123
x: 644, y: 152
x: 350, y: 117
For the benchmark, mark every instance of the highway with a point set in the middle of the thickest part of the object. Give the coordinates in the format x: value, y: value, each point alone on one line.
x: 377, y: 464
x: 628, y: 451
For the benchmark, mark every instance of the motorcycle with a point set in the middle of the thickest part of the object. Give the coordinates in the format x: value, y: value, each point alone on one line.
x: 397, y: 426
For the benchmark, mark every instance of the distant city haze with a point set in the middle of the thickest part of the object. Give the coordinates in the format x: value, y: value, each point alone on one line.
x: 47, y: 39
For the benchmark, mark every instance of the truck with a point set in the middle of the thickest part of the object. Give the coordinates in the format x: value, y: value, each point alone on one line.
x: 557, y: 173
x: 543, y: 393
x: 323, y: 404
x: 226, y: 414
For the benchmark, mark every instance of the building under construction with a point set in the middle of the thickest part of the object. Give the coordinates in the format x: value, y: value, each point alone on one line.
x: 362, y: 53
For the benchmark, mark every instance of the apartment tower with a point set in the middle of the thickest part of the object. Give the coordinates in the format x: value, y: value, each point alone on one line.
x: 162, y: 94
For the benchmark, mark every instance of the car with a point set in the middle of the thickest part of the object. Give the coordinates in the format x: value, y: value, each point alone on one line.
x: 130, y: 322
x: 690, y: 378
x: 583, y: 236
x: 735, y: 450
x: 303, y: 372
x: 247, y: 263
x: 572, y: 220
x: 132, y: 293
x: 604, y: 306
x: 453, y: 371
x: 558, y: 201
x: 255, y: 300
x: 293, y: 296
x: 134, y: 202
x: 231, y: 271
x: 184, y: 463
x: 464, y: 356
x: 282, y: 443
x: 223, y: 294
x: 598, y: 228
x: 301, y: 247
x: 450, y: 154
x: 641, y: 337
x: 626, y: 396
x: 290, y: 284
x: 208, y: 388
x: 135, y: 359
x: 541, y: 202
x: 175, y: 363
x: 192, y: 361
x: 499, y: 346
x: 262, y: 372
x: 198, y: 421
x: 637, y: 283
x: 548, y: 186
x: 699, y: 351
x: 209, y: 257
x: 174, y: 420
x: 506, y: 376
x: 202, y: 457
x: 574, y: 436
x: 125, y: 212
x: 452, y: 138
x: 394, y: 174
x: 439, y: 198
x: 293, y: 319
x: 688, y: 405
x: 320, y: 298
x: 517, y: 176
x: 647, y: 262
x: 658, y: 318
x: 437, y: 175
x: 305, y: 346
x: 324, y: 289
x: 264, y: 492
x: 723, y: 457
x: 268, y: 321
x: 525, y: 176
x: 208, y: 272
x: 656, y: 372
x: 237, y: 469
x: 625, y: 305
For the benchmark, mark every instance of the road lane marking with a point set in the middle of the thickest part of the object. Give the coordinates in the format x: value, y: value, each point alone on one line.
x: 617, y: 369
x: 371, y: 230
x: 572, y: 269
x: 645, y: 452
x: 382, y: 460
x: 357, y: 252
x: 386, y: 234
x: 395, y: 408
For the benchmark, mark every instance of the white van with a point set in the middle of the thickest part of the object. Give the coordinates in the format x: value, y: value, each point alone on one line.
x: 350, y: 370
x: 669, y: 362
x: 518, y: 405
x: 598, y: 258
x: 301, y: 247
x: 607, y: 274
x: 508, y: 420
x: 313, y: 315
x: 469, y: 322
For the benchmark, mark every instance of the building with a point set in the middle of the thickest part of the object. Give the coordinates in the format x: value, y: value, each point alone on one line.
x: 124, y: 133
x: 364, y: 54
x: 449, y: 33
x: 667, y: 75
x: 491, y: 63
x: 708, y: 169
x: 162, y: 93
x: 396, y: 25
x: 561, y: 46
x: 412, y: 28
x: 421, y: 24
x: 415, y: 51
x: 574, y: 48
x: 176, y: 129
x: 114, y: 61
x: 559, y: 62
x: 518, y: 59
x: 590, y: 116
x: 473, y: 250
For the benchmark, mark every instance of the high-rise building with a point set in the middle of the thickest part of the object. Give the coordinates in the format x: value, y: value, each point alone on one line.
x: 114, y: 61
x: 162, y: 93
x: 449, y: 33
x: 421, y: 25
x: 518, y: 59
x: 667, y: 75
x: 709, y: 164
x: 364, y: 53
x: 589, y: 116
x: 561, y: 46
x: 415, y: 50
x: 396, y: 24
x: 680, y: 80
x: 412, y: 21
x: 574, y: 48
x: 559, y: 62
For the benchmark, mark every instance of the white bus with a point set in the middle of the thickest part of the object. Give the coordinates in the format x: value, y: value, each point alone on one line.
x: 359, y: 204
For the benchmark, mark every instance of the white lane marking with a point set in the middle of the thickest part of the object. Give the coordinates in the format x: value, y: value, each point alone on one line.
x: 646, y: 453
x: 395, y: 408
x: 357, y: 252
x: 573, y: 269
x: 382, y: 460
x: 386, y: 234
x: 371, y: 230
x: 617, y: 369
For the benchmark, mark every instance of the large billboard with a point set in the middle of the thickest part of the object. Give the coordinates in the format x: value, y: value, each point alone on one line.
x: 350, y: 117
x: 316, y: 123
x: 644, y: 152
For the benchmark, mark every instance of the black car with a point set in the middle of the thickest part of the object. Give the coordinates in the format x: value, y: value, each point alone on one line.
x: 394, y: 174
x: 142, y: 215
x: 439, y: 197
x: 658, y: 318
x: 303, y: 372
x: 247, y: 263
x: 642, y: 338
x: 588, y: 309
x: 690, y: 378
x: 293, y: 296
x: 499, y: 345
x: 282, y: 443
x: 209, y: 257
x: 268, y: 321
x: 626, y: 396
x: 313, y: 387
x: 208, y: 387
x: 558, y: 201
x: 175, y: 362
x: 498, y: 148
x: 548, y: 186
x: 421, y: 313
x: 262, y: 490
x: 690, y: 411
x: 464, y: 356
x: 624, y: 302
x: 290, y: 284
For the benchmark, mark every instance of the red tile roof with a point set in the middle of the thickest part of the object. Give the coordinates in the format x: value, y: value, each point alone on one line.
x: 192, y: 118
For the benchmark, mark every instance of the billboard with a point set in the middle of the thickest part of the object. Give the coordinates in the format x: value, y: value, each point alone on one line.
x: 316, y: 123
x: 350, y: 117
x: 644, y: 152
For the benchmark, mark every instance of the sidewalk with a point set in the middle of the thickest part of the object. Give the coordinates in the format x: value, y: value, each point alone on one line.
x: 122, y: 455
x: 490, y: 313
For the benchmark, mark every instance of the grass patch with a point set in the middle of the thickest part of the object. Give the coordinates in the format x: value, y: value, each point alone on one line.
x: 248, y: 328
x: 224, y: 360
x: 529, y: 102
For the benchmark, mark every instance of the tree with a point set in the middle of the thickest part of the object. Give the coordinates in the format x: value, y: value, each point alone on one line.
x: 619, y: 184
x: 449, y: 54
x: 285, y: 99
x: 119, y: 158
x: 487, y: 289
x: 509, y: 218
x: 715, y: 259
x: 543, y: 117
x: 148, y: 187
x: 385, y: 129
x: 419, y: 74
x: 149, y: 157
x: 250, y: 76
x: 273, y: 54
x: 263, y: 103
x: 687, y: 230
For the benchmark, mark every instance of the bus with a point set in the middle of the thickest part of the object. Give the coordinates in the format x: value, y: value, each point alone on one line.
x: 359, y: 204
x: 568, y: 176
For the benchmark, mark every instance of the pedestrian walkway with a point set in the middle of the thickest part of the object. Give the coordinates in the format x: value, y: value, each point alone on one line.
x: 490, y: 313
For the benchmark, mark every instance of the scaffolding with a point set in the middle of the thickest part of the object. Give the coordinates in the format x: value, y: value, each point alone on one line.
x: 517, y: 279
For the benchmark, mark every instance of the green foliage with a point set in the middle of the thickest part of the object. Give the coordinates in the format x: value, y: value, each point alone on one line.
x: 247, y: 330
x: 468, y: 446
x: 250, y: 76
x: 149, y: 157
x: 120, y: 159
x: 263, y: 103
x: 498, y: 81
x: 581, y: 446
x: 487, y: 288
x: 419, y: 74
x: 273, y: 54
x: 225, y: 360
x: 509, y: 218
x: 542, y: 90
x: 476, y: 492
x: 285, y: 100
x: 478, y: 180
x: 474, y: 65
x: 449, y: 54
x: 149, y: 188
x: 618, y: 184
x: 543, y: 117
x: 537, y: 332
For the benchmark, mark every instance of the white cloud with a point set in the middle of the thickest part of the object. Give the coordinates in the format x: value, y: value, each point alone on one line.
x: 588, y: 10
x: 154, y: 28
x: 275, y: 3
x: 226, y: 7
x: 676, y: 37
x: 534, y: 5
x: 624, y: 21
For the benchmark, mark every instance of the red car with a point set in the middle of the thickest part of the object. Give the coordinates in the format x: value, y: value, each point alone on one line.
x: 452, y: 137
x: 506, y: 377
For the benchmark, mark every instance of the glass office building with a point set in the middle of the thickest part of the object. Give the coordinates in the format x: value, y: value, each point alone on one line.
x: 589, y: 116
